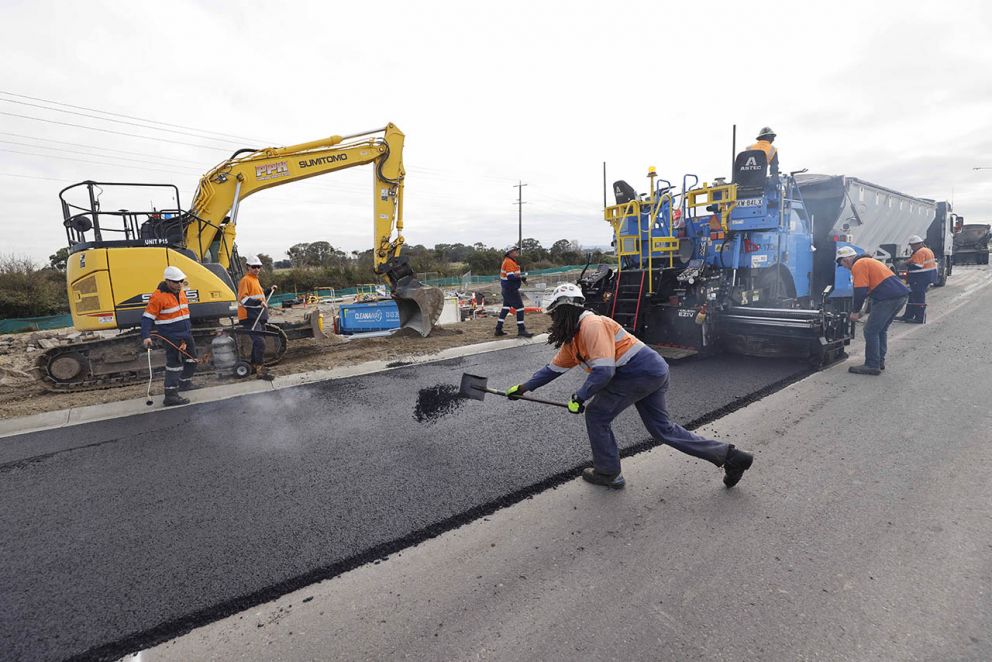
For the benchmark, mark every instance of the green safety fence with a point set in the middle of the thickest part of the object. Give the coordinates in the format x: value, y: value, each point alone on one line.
x: 450, y: 282
x: 22, y: 324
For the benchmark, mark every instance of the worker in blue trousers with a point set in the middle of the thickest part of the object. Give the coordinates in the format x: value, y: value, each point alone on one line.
x: 510, y: 279
x: 623, y: 371
x: 875, y: 281
x: 921, y: 273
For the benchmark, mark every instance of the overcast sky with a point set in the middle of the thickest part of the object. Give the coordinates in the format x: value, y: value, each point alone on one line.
x: 488, y: 94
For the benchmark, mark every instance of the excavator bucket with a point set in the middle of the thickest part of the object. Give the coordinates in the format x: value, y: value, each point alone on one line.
x: 419, y: 305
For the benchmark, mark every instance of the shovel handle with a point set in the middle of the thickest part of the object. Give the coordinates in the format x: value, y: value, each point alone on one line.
x: 525, y: 397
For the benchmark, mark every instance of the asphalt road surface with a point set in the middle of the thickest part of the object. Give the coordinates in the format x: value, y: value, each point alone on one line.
x: 862, y: 533
x: 122, y: 533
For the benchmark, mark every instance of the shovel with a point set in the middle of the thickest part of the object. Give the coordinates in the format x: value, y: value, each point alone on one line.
x: 475, y: 387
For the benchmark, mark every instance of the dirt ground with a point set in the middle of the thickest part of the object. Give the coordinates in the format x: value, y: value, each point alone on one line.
x: 21, y: 395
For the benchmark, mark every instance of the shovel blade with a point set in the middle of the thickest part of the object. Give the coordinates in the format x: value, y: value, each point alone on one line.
x: 473, y: 386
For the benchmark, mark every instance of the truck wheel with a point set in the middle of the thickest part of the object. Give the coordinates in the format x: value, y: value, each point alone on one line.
x: 945, y: 270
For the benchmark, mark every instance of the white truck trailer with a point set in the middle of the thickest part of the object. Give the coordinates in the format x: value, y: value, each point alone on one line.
x: 877, y: 219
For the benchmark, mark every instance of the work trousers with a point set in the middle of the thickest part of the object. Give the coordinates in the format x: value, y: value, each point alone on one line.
x: 257, y: 341
x: 511, y: 299
x: 917, y: 307
x: 877, y: 327
x: 179, y: 368
x: 648, y: 395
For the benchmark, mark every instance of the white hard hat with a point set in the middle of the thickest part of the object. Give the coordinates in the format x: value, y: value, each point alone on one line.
x: 567, y: 294
x: 845, y: 251
x: 915, y: 239
x: 253, y: 261
x: 174, y: 273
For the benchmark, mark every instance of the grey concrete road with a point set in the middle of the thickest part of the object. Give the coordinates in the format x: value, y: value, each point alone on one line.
x: 124, y: 532
x: 863, y: 532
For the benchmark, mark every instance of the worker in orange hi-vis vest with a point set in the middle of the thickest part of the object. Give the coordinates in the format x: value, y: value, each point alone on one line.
x: 510, y: 278
x: 921, y: 274
x: 167, y: 315
x: 764, y: 142
x: 253, y: 313
x: 623, y: 371
x: 888, y: 295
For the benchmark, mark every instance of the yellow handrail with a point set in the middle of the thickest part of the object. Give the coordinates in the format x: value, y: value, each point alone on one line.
x: 724, y: 196
x: 631, y: 244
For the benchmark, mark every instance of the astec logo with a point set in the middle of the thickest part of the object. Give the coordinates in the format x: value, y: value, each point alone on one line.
x: 272, y: 171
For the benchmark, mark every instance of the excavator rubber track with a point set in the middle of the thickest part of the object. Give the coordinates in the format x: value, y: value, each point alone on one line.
x: 98, y: 364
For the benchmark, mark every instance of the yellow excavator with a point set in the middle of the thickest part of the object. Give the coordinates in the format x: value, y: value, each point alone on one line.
x: 117, y: 255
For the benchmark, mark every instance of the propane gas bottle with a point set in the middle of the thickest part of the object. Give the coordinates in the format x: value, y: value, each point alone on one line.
x: 225, y: 352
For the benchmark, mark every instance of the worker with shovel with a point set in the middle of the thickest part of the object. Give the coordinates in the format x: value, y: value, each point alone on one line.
x: 623, y: 371
x: 253, y: 313
x: 166, y: 317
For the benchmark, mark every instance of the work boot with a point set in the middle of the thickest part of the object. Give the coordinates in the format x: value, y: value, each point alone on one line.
x: 613, y: 481
x: 500, y: 332
x: 864, y: 370
x: 188, y: 386
x: 172, y: 398
x: 261, y: 372
x: 881, y: 364
x: 524, y: 333
x: 735, y: 465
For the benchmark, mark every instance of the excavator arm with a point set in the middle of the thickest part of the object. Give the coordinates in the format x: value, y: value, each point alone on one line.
x: 211, y: 226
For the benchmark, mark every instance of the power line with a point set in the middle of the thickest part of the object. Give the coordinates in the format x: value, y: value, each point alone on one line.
x: 130, y: 117
x: 119, y: 133
x: 107, y: 119
x: 73, y: 151
x: 101, y: 163
x: 50, y: 179
x: 105, y: 149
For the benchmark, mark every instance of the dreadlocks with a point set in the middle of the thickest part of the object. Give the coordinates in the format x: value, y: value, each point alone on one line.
x: 564, y: 324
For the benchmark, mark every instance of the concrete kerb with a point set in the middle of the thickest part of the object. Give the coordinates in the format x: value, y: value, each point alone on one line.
x: 77, y: 415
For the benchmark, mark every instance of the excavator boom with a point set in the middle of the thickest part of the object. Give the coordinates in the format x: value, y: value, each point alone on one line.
x: 212, y: 222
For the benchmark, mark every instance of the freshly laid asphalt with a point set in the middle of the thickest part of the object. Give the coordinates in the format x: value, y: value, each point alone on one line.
x: 126, y: 532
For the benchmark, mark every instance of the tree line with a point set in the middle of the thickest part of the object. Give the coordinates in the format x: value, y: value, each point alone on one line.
x: 319, y: 264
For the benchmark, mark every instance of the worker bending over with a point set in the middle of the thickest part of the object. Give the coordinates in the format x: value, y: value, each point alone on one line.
x: 623, y: 371
x: 764, y: 142
x: 510, y: 278
x: 167, y: 316
x: 253, y: 313
x: 888, y: 295
x: 921, y: 274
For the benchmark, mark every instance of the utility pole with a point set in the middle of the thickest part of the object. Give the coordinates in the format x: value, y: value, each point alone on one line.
x: 520, y: 213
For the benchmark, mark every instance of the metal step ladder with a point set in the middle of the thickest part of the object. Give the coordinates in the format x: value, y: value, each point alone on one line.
x: 627, y: 299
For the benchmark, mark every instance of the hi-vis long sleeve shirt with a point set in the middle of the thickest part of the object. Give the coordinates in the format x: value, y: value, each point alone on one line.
x: 873, y: 278
x: 167, y: 312
x: 602, y: 347
x: 250, y: 298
